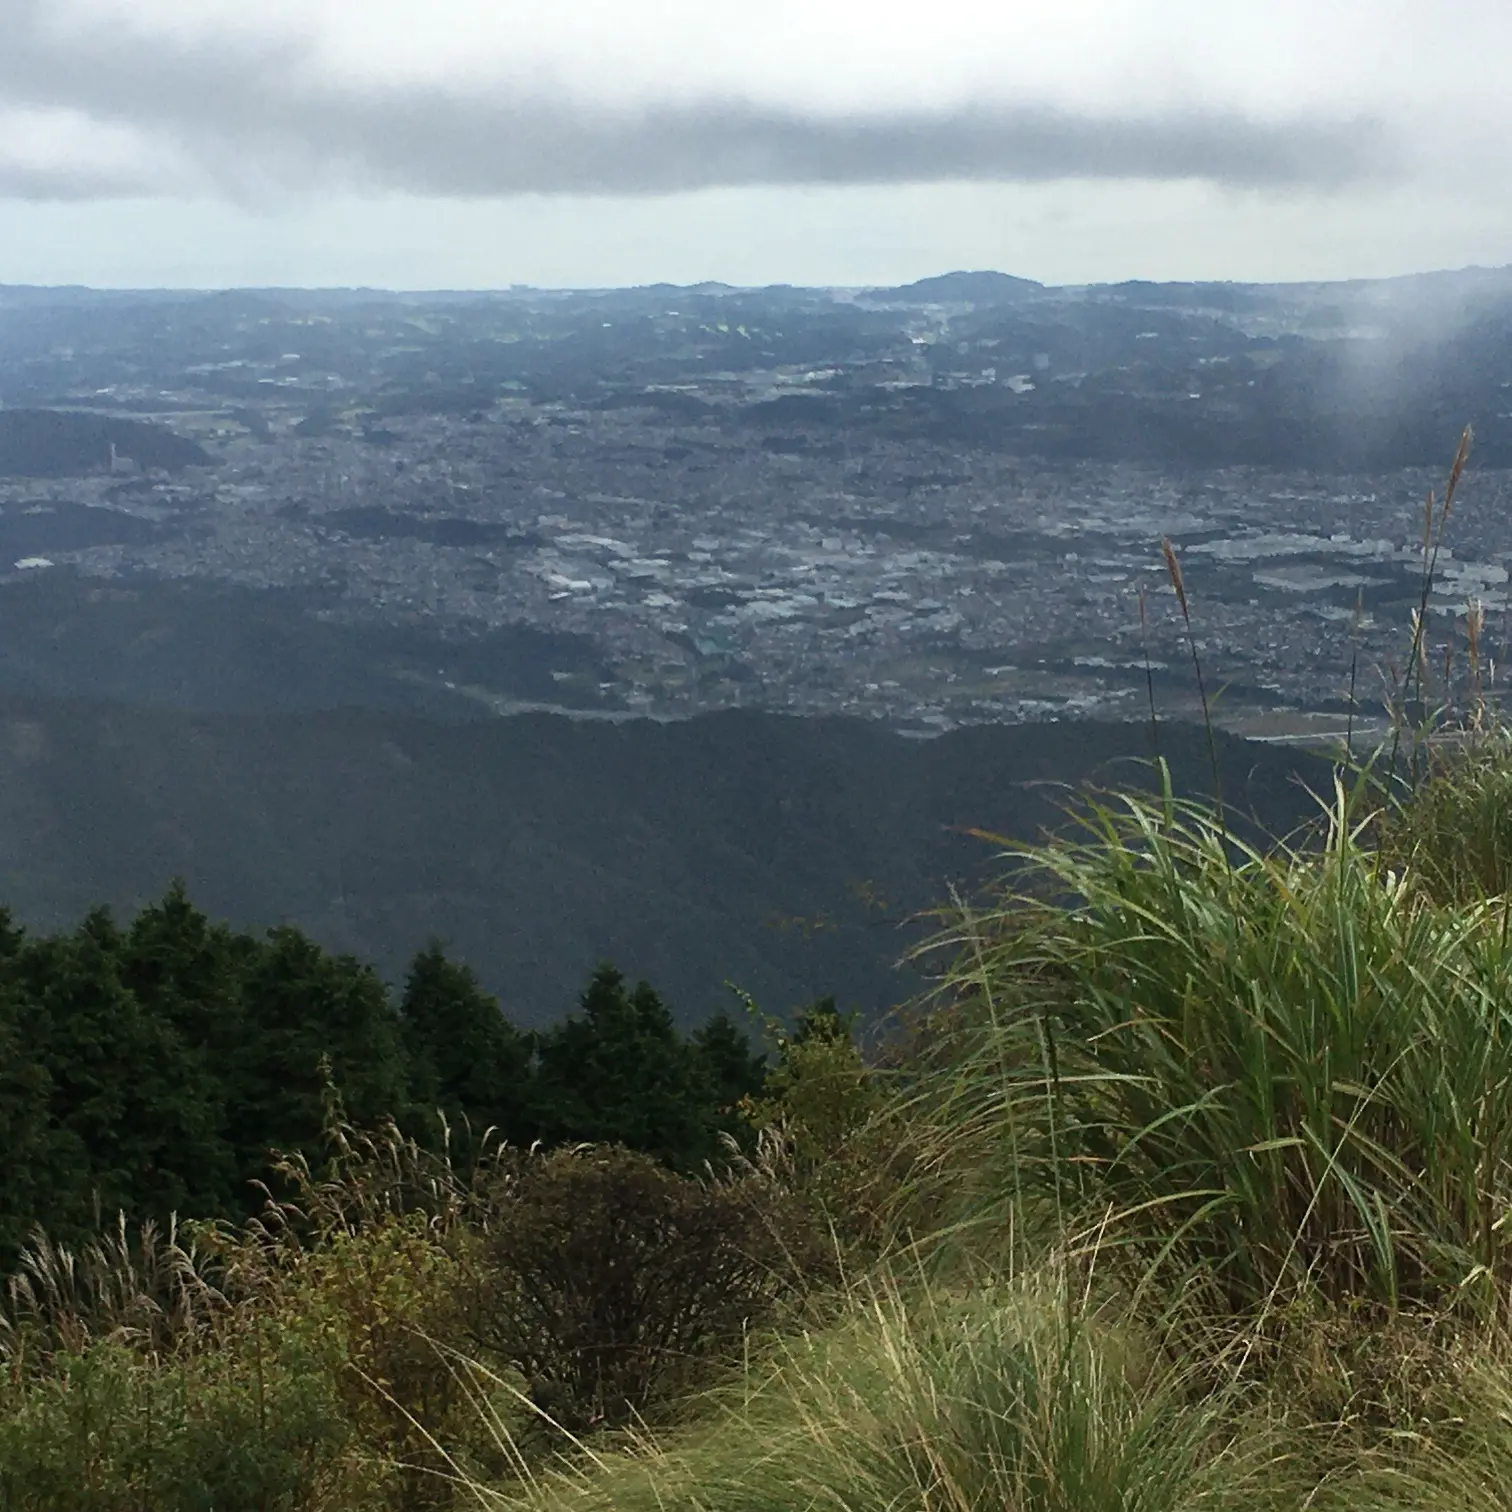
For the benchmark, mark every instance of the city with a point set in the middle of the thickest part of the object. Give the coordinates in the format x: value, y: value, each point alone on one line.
x: 727, y: 540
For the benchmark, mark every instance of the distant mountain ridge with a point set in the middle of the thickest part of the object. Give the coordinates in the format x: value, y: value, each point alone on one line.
x: 1353, y: 375
x: 984, y: 287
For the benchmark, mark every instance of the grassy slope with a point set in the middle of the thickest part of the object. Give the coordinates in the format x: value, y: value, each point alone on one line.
x: 1194, y: 1197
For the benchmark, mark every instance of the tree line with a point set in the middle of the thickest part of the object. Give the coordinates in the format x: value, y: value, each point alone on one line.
x: 153, y: 1067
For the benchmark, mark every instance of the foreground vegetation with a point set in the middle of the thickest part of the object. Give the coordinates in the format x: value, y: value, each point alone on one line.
x: 1198, y: 1184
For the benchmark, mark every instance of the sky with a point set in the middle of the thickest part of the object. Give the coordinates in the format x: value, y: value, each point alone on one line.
x: 571, y: 143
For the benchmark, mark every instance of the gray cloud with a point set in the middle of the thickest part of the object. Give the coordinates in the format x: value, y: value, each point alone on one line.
x: 67, y: 184
x: 242, y: 118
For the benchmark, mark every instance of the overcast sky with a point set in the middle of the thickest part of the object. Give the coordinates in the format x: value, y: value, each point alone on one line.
x: 478, y: 143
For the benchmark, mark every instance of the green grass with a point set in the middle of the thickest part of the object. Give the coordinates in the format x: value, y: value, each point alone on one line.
x: 1014, y: 1395
x: 1454, y: 832
x: 1275, y: 1070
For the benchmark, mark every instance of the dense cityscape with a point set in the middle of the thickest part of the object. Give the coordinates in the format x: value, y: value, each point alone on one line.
x: 785, y: 534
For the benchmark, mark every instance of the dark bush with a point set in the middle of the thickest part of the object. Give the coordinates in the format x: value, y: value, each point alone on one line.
x: 613, y: 1285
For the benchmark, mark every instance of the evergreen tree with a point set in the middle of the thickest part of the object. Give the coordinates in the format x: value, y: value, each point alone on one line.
x: 620, y: 1073
x: 466, y: 1059
x: 733, y: 1070
x: 36, y: 1157
x: 136, y: 1113
x: 189, y: 969
x: 304, y: 1010
x: 189, y: 973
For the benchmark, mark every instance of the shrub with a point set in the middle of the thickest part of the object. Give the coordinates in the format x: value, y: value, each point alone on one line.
x: 355, y: 1282
x: 612, y: 1284
x: 372, y: 1309
x: 110, y: 1431
x: 820, y: 1089
x: 360, y: 1271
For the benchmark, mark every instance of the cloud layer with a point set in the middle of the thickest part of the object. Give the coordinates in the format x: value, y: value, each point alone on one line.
x: 104, y: 103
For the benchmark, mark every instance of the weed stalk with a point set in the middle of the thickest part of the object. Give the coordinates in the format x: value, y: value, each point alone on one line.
x: 1178, y: 583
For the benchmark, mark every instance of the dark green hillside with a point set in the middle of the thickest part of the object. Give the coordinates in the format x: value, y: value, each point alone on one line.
x: 782, y: 854
x: 37, y: 443
x: 36, y: 530
x: 213, y: 648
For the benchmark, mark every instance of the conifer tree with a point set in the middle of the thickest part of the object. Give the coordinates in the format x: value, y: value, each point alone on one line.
x: 305, y: 1010
x: 735, y: 1072
x: 620, y: 1073
x: 136, y: 1114
x: 188, y: 973
x: 465, y: 1058
x: 35, y: 1158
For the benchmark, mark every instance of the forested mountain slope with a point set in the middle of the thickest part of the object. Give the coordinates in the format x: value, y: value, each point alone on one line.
x: 781, y: 854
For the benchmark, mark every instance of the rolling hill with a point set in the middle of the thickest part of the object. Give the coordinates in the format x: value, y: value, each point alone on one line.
x: 46, y: 443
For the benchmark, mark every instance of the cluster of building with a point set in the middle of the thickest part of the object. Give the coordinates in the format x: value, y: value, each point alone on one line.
x: 796, y: 569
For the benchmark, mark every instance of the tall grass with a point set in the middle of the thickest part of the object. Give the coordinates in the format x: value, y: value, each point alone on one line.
x: 1178, y: 587
x: 152, y: 1289
x: 1459, y: 1462
x: 1454, y: 834
x: 1278, y: 1070
x: 1411, y: 689
x: 1023, y: 1394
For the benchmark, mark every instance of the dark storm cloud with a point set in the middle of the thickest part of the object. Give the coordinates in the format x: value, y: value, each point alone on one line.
x: 242, y: 117
x: 436, y: 143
